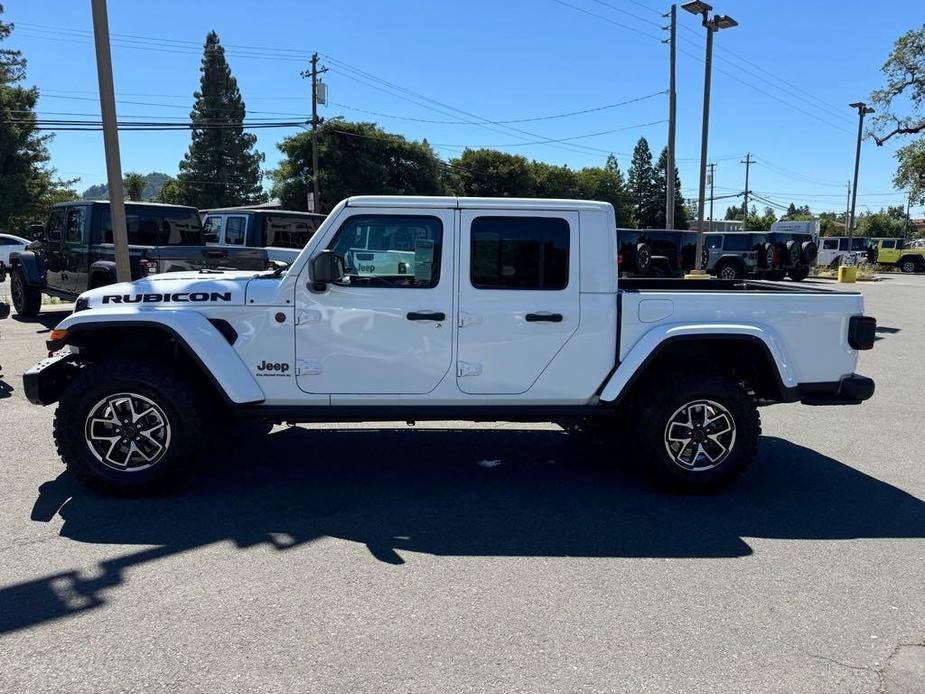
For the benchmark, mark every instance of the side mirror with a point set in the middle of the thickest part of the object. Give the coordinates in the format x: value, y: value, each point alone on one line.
x: 327, y: 267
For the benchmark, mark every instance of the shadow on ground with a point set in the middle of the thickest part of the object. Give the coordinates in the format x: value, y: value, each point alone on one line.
x: 424, y: 491
x: 47, y: 319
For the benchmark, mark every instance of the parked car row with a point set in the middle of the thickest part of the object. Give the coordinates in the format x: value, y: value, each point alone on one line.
x: 74, y: 251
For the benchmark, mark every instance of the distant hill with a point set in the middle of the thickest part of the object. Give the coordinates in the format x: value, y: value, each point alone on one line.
x: 154, y: 181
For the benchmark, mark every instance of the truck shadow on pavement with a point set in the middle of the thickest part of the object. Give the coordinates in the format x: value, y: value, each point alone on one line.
x: 462, y: 493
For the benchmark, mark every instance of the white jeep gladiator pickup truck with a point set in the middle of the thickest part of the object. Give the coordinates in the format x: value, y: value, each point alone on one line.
x: 504, y: 309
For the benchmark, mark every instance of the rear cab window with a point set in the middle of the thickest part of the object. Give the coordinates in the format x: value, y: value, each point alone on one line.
x: 281, y: 231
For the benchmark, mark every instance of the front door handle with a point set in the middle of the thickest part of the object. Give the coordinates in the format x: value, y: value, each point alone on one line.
x: 544, y: 317
x: 426, y: 315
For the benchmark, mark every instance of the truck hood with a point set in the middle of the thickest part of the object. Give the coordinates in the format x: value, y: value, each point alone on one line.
x: 175, y: 289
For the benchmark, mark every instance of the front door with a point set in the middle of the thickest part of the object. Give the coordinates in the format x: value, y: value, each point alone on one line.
x: 74, y: 249
x: 387, y: 327
x: 518, y: 296
x: 55, y: 268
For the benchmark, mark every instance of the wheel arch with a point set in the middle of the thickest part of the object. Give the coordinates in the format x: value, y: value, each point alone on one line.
x: 29, y: 265
x: 748, y: 353
x: 201, y: 346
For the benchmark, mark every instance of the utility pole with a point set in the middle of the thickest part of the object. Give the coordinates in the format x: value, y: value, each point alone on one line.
x: 111, y: 139
x: 712, y: 166
x: 748, y: 162
x: 848, y: 209
x: 863, y: 110
x: 672, y: 121
x: 315, y: 71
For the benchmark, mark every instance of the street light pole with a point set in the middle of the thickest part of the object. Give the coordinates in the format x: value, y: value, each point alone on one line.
x: 863, y: 110
x: 711, y: 25
x: 111, y: 140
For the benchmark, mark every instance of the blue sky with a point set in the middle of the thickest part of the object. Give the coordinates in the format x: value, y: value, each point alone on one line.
x: 781, y: 84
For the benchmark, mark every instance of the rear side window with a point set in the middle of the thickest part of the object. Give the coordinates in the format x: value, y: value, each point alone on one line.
x: 830, y: 244
x: 889, y: 244
x: 519, y: 253
x: 156, y: 227
x: 738, y: 242
x: 212, y: 229
x: 289, y: 232
x: 714, y: 242
x: 56, y: 224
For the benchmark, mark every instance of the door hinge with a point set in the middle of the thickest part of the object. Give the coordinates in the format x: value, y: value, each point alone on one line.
x: 307, y: 368
x: 305, y: 316
x: 464, y: 368
x: 468, y: 319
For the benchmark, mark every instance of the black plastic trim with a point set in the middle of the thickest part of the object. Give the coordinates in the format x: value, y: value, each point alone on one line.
x: 224, y: 327
x: 388, y: 413
x: 44, y: 383
x: 849, y: 390
x: 862, y: 332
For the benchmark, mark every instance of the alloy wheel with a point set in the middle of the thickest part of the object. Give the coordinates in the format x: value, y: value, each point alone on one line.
x: 700, y: 435
x: 127, y: 432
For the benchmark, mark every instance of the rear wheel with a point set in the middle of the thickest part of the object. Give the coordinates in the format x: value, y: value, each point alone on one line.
x: 908, y: 265
x: 128, y: 427
x: 26, y: 300
x: 798, y: 274
x: 699, y: 433
x: 727, y: 270
x: 775, y: 275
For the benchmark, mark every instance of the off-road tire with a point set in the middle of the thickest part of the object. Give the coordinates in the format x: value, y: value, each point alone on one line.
x: 729, y: 270
x: 792, y: 252
x: 643, y: 258
x: 671, y: 394
x: 26, y: 300
x: 908, y: 265
x: 798, y: 274
x: 166, y: 387
x: 808, y: 252
x: 775, y: 275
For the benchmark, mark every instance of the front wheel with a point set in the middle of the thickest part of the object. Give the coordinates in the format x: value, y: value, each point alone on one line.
x: 128, y: 427
x: 26, y: 300
x: 699, y: 433
x: 729, y: 271
x: 798, y: 274
x: 908, y: 265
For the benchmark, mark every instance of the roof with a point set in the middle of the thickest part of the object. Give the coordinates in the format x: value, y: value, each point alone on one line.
x: 268, y: 211
x: 127, y: 202
x: 271, y: 205
x: 452, y: 202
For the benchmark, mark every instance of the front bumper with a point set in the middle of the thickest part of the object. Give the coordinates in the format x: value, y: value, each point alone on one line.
x: 44, y: 383
x: 849, y: 390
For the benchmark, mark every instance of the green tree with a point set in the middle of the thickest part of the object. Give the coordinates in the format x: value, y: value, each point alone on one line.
x: 681, y: 218
x: 733, y: 213
x: 550, y: 181
x: 27, y: 185
x: 355, y: 159
x: 134, y: 184
x: 643, y: 192
x: 221, y: 168
x: 760, y: 222
x: 170, y: 193
x: 491, y: 173
x: 607, y: 185
x: 900, y: 110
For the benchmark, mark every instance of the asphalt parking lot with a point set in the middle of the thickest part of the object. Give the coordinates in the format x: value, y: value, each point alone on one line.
x: 463, y: 558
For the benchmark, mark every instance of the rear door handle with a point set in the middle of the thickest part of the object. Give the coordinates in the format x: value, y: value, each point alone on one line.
x: 426, y: 315
x: 544, y: 317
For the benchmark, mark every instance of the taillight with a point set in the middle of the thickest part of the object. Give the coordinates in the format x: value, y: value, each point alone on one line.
x: 862, y: 332
x: 777, y: 256
x: 619, y: 259
x: 148, y: 267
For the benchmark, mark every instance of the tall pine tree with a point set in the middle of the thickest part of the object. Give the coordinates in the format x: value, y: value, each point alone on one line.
x: 681, y: 218
x: 27, y: 187
x: 642, y: 189
x: 221, y: 168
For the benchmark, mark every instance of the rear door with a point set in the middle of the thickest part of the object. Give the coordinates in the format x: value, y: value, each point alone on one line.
x: 75, y: 258
x: 518, y: 296
x: 55, y: 268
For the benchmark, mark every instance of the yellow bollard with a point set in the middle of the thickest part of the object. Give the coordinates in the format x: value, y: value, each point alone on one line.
x: 697, y: 275
x: 847, y: 273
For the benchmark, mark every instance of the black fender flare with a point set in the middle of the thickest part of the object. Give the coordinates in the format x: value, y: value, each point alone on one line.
x: 102, y: 268
x: 31, y: 265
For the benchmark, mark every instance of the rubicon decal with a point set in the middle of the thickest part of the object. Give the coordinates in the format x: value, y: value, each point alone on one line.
x: 179, y: 297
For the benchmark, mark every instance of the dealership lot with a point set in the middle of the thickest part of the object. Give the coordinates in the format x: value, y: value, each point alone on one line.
x: 483, y: 558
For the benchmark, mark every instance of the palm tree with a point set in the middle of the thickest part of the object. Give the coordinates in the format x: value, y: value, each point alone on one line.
x: 134, y: 184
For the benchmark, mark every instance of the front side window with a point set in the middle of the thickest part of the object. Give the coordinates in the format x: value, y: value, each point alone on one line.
x: 234, y: 231
x: 74, y: 226
x: 830, y: 244
x: 212, y: 229
x: 889, y: 244
x: 390, y: 250
x: 859, y: 243
x: 56, y: 225
x: 714, y: 243
x: 519, y: 253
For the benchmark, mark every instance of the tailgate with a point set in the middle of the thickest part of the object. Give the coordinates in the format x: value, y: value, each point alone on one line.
x: 179, y: 258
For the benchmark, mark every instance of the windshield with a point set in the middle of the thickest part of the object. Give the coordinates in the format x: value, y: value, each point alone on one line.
x: 289, y: 232
x: 156, y: 226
